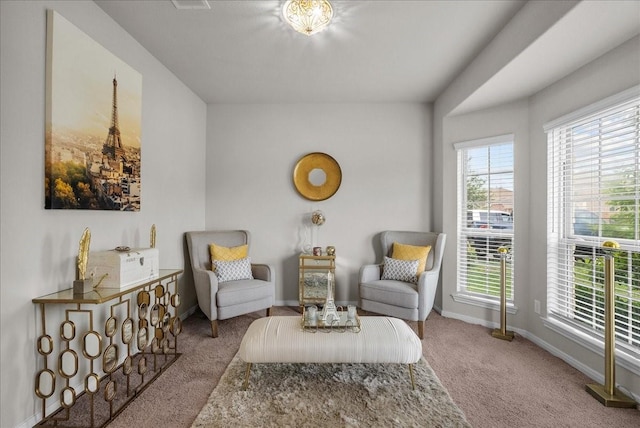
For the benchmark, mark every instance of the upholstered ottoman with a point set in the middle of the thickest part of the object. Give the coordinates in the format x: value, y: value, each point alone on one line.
x: 282, y: 340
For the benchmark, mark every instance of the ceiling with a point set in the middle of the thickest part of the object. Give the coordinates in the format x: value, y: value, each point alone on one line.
x: 586, y: 32
x: 373, y: 51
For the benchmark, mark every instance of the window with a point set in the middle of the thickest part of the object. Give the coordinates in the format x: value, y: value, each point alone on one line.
x: 485, y: 216
x: 594, y: 196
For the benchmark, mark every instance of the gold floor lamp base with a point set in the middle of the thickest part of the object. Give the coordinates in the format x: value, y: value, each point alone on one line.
x: 507, y: 335
x: 618, y: 399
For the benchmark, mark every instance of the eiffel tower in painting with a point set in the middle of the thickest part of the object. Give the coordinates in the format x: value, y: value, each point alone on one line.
x: 113, y: 145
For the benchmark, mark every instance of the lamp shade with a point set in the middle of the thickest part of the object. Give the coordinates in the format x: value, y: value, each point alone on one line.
x: 307, y: 16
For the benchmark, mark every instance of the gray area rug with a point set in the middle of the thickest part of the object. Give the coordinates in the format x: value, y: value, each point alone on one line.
x: 344, y: 395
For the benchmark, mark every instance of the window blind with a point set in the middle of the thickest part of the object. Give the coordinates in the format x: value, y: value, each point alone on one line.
x: 594, y: 196
x: 485, y: 215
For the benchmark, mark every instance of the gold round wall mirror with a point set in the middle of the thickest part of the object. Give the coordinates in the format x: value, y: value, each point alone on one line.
x: 317, y: 176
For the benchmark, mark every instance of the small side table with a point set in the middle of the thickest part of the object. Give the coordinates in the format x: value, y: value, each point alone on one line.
x: 313, y: 277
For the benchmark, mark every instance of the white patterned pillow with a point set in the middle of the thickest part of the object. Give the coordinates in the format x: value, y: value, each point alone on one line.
x: 233, y: 270
x: 400, y: 270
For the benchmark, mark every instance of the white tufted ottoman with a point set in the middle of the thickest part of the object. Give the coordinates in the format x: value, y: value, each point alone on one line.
x: 282, y: 340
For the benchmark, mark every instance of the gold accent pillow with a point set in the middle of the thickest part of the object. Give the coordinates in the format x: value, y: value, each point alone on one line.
x: 411, y: 252
x: 226, y: 254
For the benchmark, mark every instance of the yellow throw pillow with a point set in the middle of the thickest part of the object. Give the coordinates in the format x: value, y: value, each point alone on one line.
x: 411, y: 252
x: 227, y: 254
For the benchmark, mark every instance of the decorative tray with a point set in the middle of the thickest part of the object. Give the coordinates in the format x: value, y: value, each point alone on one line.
x: 341, y: 324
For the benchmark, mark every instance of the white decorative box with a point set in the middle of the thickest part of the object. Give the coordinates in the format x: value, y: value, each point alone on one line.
x: 119, y: 269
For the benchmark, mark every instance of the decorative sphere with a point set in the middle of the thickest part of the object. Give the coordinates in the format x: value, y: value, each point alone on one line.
x: 611, y: 244
x: 317, y: 218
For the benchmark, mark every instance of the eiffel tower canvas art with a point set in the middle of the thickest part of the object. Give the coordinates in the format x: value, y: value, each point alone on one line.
x: 93, y: 124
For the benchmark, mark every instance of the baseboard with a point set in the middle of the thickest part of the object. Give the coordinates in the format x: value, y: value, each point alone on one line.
x: 186, y: 314
x: 286, y: 303
x: 586, y: 370
x: 33, y: 420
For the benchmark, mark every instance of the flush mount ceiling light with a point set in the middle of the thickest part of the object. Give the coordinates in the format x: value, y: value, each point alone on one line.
x: 191, y: 4
x: 307, y: 16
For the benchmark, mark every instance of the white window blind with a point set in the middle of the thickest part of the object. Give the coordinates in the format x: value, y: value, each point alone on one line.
x: 485, y: 215
x: 594, y: 195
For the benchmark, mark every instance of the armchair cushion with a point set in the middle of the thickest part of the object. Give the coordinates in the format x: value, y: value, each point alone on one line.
x: 234, y: 294
x: 394, y: 293
x: 218, y: 252
x: 233, y: 270
x: 400, y: 270
x: 411, y: 252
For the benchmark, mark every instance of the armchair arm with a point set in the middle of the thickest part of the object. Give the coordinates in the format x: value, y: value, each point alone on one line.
x: 370, y: 273
x: 264, y: 272
x: 206, y: 284
x: 428, y: 281
x: 427, y: 286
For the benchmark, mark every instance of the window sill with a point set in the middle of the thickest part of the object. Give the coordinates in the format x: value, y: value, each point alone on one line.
x: 483, y: 302
x: 628, y: 360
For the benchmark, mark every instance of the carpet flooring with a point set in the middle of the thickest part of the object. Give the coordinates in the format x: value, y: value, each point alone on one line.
x: 495, y: 383
x: 341, y: 395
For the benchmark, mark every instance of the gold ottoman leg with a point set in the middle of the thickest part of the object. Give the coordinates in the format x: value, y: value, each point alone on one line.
x: 413, y: 383
x: 246, y: 377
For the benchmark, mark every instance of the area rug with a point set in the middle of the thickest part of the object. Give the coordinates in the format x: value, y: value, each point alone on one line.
x: 339, y: 395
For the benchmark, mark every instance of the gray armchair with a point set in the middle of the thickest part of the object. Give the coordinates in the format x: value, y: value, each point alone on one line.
x: 412, y: 302
x: 223, y: 300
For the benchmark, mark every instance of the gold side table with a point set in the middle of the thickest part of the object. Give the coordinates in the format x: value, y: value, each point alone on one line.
x: 313, y: 278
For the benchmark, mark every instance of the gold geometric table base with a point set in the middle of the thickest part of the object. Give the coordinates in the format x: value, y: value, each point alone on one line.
x: 617, y: 400
x: 90, y: 411
x: 95, y: 369
x: 507, y: 335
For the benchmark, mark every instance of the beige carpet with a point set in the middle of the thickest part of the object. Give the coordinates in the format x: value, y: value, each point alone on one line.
x: 341, y: 395
x: 497, y: 384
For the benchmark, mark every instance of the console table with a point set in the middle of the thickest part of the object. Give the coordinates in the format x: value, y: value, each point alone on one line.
x: 312, y: 278
x: 106, y: 348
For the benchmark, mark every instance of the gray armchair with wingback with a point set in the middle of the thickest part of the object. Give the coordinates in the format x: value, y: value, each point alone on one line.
x: 223, y: 300
x: 412, y: 302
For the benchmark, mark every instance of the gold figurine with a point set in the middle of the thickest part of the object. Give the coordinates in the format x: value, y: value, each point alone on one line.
x: 83, y: 254
x: 82, y: 284
x: 153, y: 236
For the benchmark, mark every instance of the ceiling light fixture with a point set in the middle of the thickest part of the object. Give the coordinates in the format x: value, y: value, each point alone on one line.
x: 191, y: 4
x: 307, y: 16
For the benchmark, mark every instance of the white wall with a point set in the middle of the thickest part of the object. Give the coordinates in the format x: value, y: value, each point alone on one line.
x: 612, y: 73
x: 395, y: 176
x: 38, y: 246
x: 530, y: 22
x: 507, y: 119
x: 384, y: 151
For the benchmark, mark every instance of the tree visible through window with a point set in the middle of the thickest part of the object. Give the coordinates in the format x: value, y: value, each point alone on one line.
x: 594, y: 195
x: 485, y: 215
